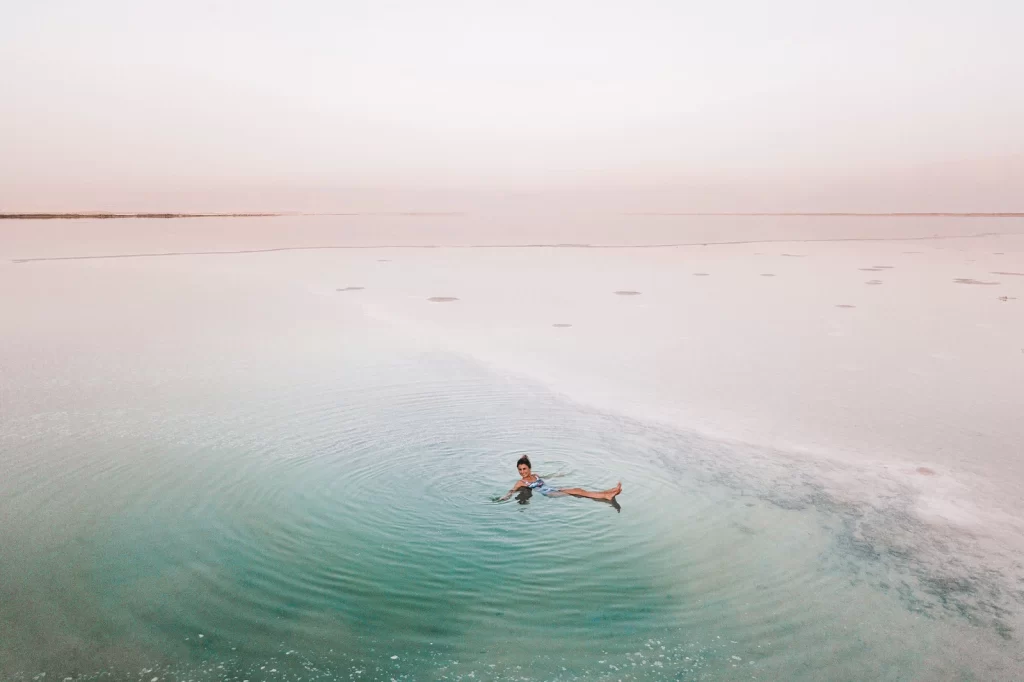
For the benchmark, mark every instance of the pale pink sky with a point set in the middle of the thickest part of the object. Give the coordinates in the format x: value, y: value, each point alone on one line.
x: 789, y: 105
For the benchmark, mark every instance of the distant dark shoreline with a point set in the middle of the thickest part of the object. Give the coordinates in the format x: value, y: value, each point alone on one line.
x: 111, y: 216
x: 114, y: 216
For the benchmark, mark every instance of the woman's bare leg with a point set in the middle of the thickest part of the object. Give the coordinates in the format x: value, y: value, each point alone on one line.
x: 602, y: 495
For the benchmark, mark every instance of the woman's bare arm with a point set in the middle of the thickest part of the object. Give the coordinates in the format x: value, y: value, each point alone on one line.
x: 517, y: 486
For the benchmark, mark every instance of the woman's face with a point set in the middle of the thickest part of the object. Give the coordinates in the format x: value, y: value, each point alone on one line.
x: 524, y: 470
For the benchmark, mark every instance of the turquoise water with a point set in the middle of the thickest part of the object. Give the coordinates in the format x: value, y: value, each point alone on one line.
x: 243, y: 513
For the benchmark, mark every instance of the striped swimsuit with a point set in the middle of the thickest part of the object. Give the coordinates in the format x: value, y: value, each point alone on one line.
x: 542, y: 487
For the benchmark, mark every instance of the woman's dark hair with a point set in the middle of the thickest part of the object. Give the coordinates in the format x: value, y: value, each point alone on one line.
x: 524, y: 460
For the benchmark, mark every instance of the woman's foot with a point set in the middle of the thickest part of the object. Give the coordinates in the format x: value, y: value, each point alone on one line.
x: 612, y: 492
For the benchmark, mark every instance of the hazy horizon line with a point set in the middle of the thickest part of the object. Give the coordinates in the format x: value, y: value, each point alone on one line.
x: 103, y: 215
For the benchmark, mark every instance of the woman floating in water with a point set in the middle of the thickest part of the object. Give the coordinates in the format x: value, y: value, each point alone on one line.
x: 535, y: 482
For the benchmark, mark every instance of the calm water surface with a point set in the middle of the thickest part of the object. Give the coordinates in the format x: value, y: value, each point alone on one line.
x: 318, y: 502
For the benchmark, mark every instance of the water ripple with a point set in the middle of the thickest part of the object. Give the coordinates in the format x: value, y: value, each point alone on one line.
x: 357, y: 517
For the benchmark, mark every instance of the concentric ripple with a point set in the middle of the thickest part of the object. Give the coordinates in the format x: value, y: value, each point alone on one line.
x: 346, y: 524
